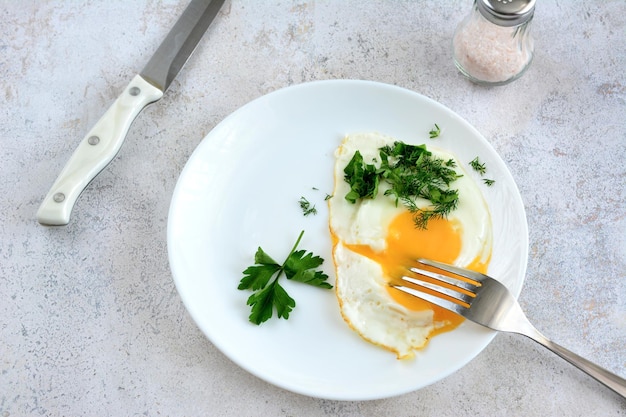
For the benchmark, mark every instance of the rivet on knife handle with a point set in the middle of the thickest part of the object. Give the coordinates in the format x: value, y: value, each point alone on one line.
x: 95, y: 151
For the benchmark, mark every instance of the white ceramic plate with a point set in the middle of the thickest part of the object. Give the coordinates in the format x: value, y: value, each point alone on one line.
x: 240, y: 190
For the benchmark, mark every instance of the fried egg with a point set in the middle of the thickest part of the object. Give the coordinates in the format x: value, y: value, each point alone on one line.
x: 374, y: 239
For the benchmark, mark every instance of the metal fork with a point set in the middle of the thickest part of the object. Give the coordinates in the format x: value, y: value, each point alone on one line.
x: 489, y: 303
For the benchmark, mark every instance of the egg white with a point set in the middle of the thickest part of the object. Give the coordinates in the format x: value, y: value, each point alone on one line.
x: 361, y: 287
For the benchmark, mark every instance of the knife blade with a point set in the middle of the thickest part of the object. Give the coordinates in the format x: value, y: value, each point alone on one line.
x: 102, y: 143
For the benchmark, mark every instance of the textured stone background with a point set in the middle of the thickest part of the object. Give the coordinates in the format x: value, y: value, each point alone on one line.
x: 91, y: 323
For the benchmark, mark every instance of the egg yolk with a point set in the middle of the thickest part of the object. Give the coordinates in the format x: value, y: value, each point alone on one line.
x: 440, y: 241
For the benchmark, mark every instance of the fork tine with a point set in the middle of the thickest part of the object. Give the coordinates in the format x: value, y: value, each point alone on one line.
x: 443, y: 303
x: 439, y: 289
x: 475, y: 276
x: 454, y: 282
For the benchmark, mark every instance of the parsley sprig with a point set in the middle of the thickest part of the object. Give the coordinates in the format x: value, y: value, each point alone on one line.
x: 411, y: 172
x: 263, y: 279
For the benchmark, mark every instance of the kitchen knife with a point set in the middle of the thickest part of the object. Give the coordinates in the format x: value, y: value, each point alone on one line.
x: 104, y: 140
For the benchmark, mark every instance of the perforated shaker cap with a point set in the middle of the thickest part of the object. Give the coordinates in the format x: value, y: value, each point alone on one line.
x: 507, y: 12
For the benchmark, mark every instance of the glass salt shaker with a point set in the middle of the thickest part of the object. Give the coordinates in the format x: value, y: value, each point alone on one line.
x: 493, y: 44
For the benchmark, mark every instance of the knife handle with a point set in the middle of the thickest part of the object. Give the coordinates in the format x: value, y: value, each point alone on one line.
x: 95, y: 151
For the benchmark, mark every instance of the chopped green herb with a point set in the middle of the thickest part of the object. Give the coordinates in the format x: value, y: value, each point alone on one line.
x: 363, y: 179
x: 481, y: 169
x: 412, y: 172
x: 307, y: 207
x: 435, y: 131
x: 477, y: 166
x: 268, y: 294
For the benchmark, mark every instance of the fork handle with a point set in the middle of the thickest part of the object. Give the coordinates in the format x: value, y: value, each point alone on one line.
x: 611, y: 380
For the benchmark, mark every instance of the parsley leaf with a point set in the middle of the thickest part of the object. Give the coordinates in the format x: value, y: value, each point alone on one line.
x: 269, y: 294
x: 264, y: 301
x: 363, y: 179
x: 299, y: 267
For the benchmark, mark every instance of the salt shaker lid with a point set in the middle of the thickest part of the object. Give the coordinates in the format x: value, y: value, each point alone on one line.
x: 507, y: 12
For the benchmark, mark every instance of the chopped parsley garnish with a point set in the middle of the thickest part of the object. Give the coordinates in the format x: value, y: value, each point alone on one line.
x: 263, y: 278
x: 488, y: 182
x: 363, y: 178
x: 307, y: 207
x: 411, y: 172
